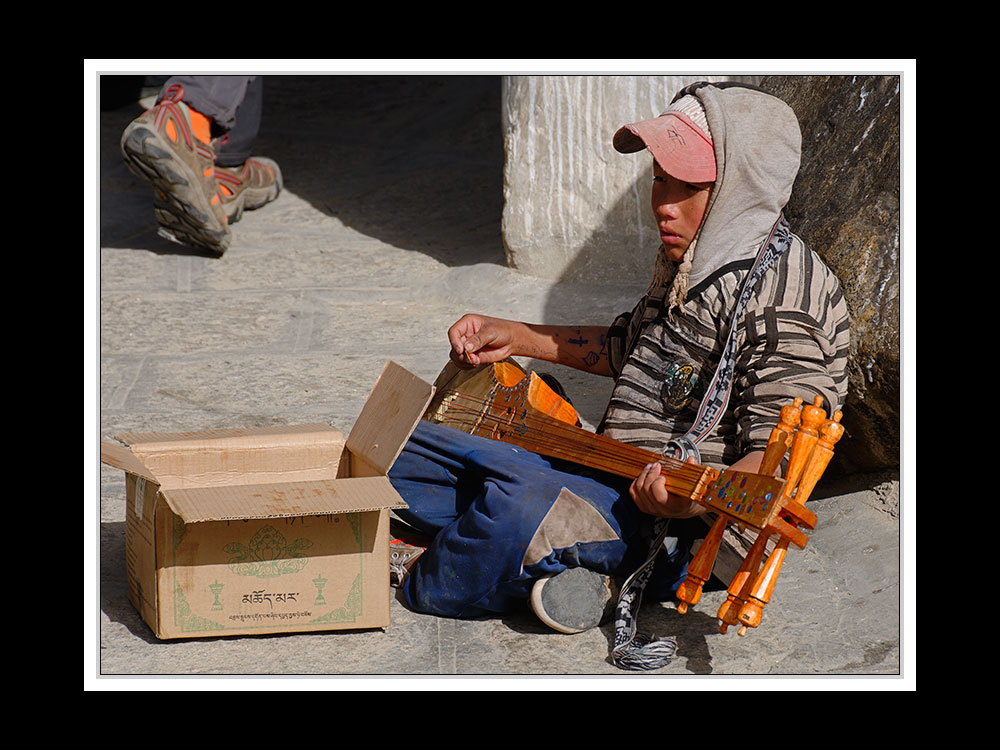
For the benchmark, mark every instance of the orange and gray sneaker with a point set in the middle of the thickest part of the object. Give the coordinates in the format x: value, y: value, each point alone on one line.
x: 161, y: 146
x: 246, y: 187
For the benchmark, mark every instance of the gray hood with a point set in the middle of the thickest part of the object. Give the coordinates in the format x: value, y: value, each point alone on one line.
x: 757, y: 149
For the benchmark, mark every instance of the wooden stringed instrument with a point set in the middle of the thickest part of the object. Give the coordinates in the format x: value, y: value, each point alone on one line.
x: 502, y: 401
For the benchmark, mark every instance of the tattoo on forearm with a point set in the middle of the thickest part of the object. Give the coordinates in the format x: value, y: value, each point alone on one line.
x: 594, y: 356
x: 585, y: 346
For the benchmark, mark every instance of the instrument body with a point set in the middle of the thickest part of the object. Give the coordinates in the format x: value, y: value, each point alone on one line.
x: 503, y: 402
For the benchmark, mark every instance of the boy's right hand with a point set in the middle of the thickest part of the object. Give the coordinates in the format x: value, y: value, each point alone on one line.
x: 478, y: 339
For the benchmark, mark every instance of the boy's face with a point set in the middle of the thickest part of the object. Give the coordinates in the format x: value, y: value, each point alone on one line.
x: 678, y: 208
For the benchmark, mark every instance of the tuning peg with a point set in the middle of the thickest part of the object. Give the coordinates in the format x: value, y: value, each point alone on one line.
x: 805, y: 438
x: 781, y: 437
x: 830, y: 432
x: 739, y: 587
x: 700, y: 567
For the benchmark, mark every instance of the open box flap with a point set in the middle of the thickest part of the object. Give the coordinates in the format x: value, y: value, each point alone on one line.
x: 239, y: 456
x: 121, y: 457
x: 396, y: 403
x: 157, y: 442
x: 282, y: 499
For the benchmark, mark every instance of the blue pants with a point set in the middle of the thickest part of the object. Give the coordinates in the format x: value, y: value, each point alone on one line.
x: 503, y: 517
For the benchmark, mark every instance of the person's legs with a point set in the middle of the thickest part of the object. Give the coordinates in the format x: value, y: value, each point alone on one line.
x: 219, y: 98
x: 503, y: 518
x: 245, y: 182
x: 174, y: 146
x: 238, y: 110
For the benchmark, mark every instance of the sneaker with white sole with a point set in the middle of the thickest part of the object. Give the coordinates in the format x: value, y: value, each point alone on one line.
x: 160, y: 146
x: 574, y: 600
x: 251, y: 185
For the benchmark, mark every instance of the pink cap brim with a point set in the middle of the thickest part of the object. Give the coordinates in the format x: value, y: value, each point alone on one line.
x: 678, y: 146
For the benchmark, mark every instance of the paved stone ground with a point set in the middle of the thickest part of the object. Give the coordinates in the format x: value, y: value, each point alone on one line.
x: 387, y: 231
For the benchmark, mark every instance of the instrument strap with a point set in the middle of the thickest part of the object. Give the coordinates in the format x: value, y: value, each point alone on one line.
x: 641, y: 651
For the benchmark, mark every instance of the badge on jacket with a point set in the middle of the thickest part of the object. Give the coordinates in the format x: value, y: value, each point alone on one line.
x: 680, y: 386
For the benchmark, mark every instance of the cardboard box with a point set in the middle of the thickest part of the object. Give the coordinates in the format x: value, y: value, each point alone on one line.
x: 283, y: 529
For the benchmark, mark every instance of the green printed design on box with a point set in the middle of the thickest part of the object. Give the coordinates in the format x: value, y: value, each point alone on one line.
x: 186, y: 620
x: 355, y: 520
x: 351, y: 609
x: 319, y: 582
x: 216, y: 592
x: 267, y: 555
x: 179, y: 529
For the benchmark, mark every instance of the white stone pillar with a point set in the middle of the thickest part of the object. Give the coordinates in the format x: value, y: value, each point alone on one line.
x: 574, y: 208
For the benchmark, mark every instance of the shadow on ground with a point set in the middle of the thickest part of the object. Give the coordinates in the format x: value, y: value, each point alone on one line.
x: 414, y: 161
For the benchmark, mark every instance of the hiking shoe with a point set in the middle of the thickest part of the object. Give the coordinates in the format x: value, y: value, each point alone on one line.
x: 574, y: 600
x: 402, y: 556
x: 161, y: 147
x: 256, y: 182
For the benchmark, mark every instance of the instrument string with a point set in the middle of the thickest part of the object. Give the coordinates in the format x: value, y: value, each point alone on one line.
x: 548, y: 435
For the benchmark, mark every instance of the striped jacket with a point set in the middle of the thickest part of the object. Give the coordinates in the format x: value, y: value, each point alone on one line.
x: 792, y: 341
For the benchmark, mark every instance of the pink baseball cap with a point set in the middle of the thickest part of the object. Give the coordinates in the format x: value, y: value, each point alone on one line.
x: 679, y: 139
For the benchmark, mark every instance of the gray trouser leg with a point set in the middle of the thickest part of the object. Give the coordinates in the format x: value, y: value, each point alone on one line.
x: 234, y: 103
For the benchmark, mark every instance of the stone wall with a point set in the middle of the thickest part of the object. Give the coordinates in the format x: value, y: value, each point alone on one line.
x: 577, y: 210
x: 845, y: 204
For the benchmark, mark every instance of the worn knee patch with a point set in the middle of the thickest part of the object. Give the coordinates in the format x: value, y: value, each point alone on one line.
x: 571, y: 520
